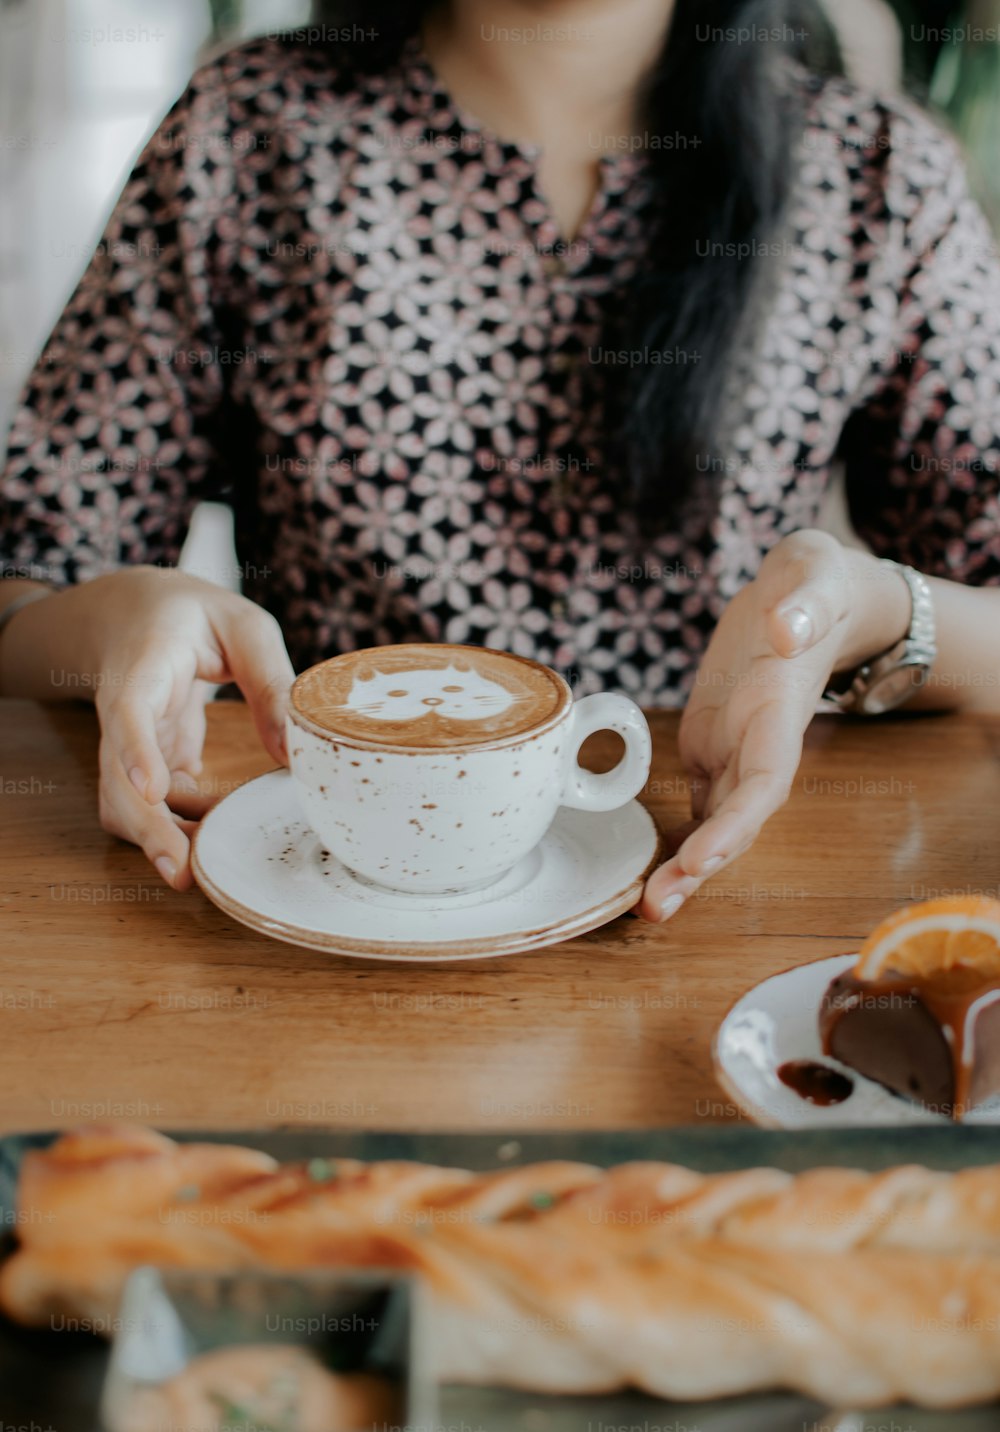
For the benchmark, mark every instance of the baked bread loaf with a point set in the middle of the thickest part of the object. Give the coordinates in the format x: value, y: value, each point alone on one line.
x: 846, y: 1286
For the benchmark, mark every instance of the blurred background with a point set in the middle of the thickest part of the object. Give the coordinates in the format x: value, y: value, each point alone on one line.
x: 83, y: 83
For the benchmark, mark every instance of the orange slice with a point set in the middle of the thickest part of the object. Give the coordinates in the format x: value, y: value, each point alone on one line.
x: 938, y: 935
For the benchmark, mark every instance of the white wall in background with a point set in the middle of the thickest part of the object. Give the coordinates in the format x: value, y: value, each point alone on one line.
x: 83, y: 83
x: 871, y: 39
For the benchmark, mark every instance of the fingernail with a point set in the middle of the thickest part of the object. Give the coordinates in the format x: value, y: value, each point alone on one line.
x: 799, y: 623
x: 138, y: 778
x: 712, y: 864
x: 670, y: 906
x: 166, y: 867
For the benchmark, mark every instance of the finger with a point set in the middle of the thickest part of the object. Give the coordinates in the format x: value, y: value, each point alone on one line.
x: 813, y: 593
x: 695, y: 744
x: 716, y: 790
x: 128, y: 815
x: 665, y: 892
x: 701, y: 786
x: 189, y: 734
x: 128, y: 724
x: 673, y: 884
x: 671, y: 842
x: 256, y: 656
x: 768, y: 758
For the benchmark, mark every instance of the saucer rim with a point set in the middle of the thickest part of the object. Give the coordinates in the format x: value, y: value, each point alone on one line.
x: 429, y: 952
x: 741, y: 1098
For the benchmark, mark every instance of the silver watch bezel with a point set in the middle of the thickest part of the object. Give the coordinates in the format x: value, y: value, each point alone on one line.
x: 879, y: 673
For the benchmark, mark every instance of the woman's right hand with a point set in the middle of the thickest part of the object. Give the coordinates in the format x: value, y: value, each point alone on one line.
x: 158, y: 640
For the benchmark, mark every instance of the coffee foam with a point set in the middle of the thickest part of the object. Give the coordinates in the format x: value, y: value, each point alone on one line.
x: 429, y: 697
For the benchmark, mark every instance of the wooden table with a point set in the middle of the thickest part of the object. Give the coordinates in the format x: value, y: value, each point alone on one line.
x: 120, y: 998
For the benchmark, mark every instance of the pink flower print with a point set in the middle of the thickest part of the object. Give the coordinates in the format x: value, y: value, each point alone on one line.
x: 521, y: 313
x: 108, y: 407
x: 445, y: 570
x: 446, y: 408
x: 384, y: 440
x: 508, y: 617
x: 378, y: 514
x: 449, y: 491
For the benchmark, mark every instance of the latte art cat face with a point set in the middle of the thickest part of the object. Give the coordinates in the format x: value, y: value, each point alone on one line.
x: 413, y: 695
x: 426, y: 696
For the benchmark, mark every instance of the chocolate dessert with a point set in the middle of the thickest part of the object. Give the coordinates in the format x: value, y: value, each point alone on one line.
x: 932, y: 1038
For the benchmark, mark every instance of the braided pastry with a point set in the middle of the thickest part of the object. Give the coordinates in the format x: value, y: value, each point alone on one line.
x: 560, y: 1277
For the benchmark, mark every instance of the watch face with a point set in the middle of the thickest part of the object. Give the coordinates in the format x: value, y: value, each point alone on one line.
x: 893, y: 689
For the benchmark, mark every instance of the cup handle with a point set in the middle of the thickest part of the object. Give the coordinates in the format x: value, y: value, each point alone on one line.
x: 607, y: 711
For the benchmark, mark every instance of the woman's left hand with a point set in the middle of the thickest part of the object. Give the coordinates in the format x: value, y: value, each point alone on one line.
x: 814, y: 608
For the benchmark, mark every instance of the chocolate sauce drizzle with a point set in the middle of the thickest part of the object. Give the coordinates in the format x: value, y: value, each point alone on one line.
x: 816, y: 1083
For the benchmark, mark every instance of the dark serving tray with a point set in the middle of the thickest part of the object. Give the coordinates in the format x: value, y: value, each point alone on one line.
x: 52, y: 1381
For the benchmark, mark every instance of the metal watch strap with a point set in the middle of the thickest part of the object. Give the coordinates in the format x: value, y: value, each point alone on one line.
x: 922, y: 636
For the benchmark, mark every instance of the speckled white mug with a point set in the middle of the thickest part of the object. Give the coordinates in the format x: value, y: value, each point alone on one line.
x: 415, y: 793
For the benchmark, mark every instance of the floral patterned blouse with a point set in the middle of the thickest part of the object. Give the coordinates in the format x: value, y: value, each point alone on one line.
x: 345, y: 308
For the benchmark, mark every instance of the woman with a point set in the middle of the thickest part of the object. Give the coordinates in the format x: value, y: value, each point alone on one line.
x: 533, y: 325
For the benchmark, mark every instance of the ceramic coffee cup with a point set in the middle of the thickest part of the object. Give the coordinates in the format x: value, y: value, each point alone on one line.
x: 434, y: 769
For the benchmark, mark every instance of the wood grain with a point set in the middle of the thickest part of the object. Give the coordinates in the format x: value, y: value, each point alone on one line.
x: 121, y: 998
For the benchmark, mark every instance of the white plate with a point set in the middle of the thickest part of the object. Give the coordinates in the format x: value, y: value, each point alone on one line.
x: 777, y: 1021
x: 255, y: 857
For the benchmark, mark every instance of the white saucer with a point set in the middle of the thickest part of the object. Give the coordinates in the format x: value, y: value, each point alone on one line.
x: 777, y: 1021
x: 255, y: 857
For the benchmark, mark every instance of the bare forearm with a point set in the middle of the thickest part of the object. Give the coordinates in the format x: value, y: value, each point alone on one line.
x: 966, y: 674
x: 45, y: 646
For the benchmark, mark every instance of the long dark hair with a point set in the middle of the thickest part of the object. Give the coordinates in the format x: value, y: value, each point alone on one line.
x: 723, y: 78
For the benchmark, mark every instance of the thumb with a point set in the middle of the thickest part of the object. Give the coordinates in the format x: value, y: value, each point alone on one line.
x: 814, y: 602
x: 255, y: 654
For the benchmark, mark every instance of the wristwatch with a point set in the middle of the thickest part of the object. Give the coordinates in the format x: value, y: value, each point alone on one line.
x: 886, y: 681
